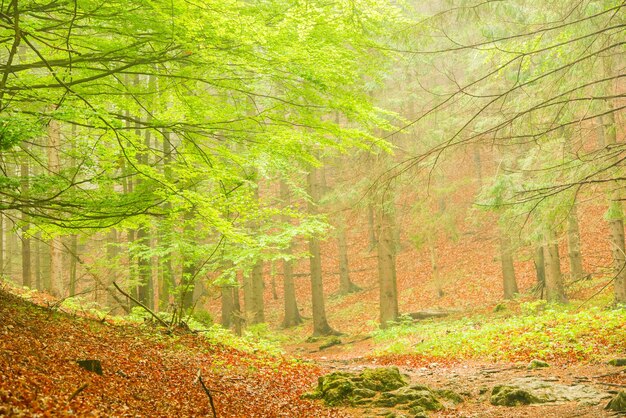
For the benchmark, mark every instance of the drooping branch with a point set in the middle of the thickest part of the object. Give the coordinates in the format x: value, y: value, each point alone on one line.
x: 155, y: 316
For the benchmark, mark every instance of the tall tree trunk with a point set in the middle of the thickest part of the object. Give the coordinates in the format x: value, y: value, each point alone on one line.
x: 144, y: 288
x: 26, y: 262
x: 292, y: 314
x: 320, y: 323
x: 540, y: 268
x: 371, y: 226
x: 434, y: 266
x: 573, y: 241
x: 554, y: 278
x: 227, y: 305
x: 112, y: 251
x: 508, y: 268
x: 248, y: 295
x: 258, y: 287
x: 345, y: 284
x: 167, y: 280
x: 56, y: 245
x: 37, y: 264
x: 187, y: 286
x: 387, y: 263
x: 616, y: 218
x: 12, y: 248
x: 73, y: 266
x: 237, y: 315
x: 2, y: 237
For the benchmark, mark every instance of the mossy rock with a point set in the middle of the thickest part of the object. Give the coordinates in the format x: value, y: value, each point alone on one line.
x: 382, y: 379
x: 364, y: 393
x: 618, y: 403
x: 418, y: 412
x: 619, y: 362
x: 427, y: 401
x: 337, y: 388
x: 449, y: 395
x: 512, y: 396
x: 311, y: 395
x: 332, y: 341
x: 537, y: 364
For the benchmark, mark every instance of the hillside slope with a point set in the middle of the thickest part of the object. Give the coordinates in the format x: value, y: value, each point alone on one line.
x: 145, y: 372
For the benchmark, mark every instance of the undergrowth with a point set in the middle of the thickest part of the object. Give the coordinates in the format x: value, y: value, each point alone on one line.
x: 257, y: 339
x: 550, y: 332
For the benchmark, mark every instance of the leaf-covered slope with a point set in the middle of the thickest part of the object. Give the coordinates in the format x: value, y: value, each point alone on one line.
x: 145, y: 373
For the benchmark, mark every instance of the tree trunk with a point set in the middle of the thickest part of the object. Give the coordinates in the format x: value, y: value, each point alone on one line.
x: 345, y: 284
x: 12, y: 248
x: 187, y: 286
x: 248, y: 296
x: 2, y: 236
x: 371, y: 226
x: 320, y: 323
x: 144, y: 273
x: 434, y: 267
x: 144, y: 289
x: 258, y: 287
x: 540, y: 268
x: 111, y: 256
x: 37, y: 265
x: 73, y: 267
x: 616, y: 228
x: 573, y: 241
x: 167, y: 279
x: 56, y: 246
x: 508, y: 268
x: 273, y: 283
x: 237, y: 317
x: 26, y: 262
x: 386, y: 264
x: 227, y: 305
x: 292, y: 314
x: 616, y: 218
x: 554, y: 278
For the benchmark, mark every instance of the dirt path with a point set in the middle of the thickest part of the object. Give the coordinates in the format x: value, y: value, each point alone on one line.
x: 591, y: 384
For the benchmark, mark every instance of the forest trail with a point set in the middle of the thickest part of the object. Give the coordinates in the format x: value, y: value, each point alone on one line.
x: 578, y: 389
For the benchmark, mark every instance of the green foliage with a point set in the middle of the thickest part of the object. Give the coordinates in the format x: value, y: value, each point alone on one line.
x: 17, y: 127
x: 557, y: 333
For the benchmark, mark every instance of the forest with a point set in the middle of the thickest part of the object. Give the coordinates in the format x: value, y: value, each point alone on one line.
x: 304, y: 208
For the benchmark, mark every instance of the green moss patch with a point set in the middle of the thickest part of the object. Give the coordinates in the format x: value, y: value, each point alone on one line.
x: 382, y: 387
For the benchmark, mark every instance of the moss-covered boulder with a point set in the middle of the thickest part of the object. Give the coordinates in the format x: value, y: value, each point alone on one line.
x: 618, y: 403
x: 537, y: 364
x: 512, y: 396
x: 619, y: 362
x: 423, y: 398
x: 418, y: 412
x: 450, y: 395
x: 336, y: 388
x: 382, y: 379
x: 383, y: 387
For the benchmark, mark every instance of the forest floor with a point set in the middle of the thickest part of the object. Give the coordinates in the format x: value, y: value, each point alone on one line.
x: 146, y: 372
x: 589, y: 386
